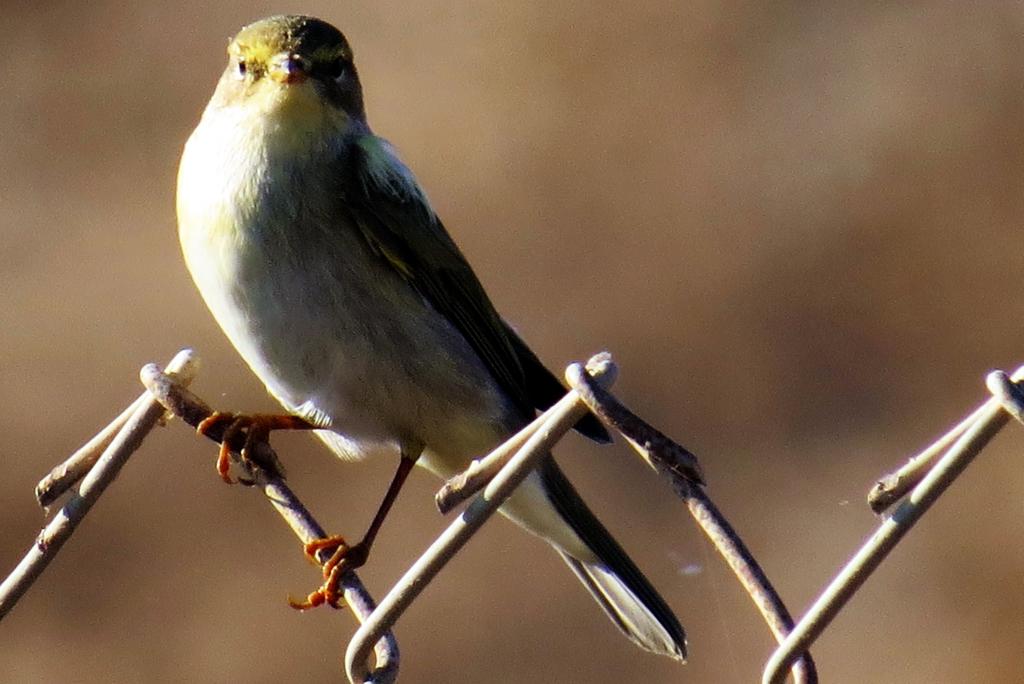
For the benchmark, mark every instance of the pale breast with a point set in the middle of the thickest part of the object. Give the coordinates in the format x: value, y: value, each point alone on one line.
x: 330, y: 328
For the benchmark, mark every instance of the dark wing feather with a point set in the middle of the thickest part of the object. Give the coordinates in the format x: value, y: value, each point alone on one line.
x: 545, y: 389
x: 399, y: 225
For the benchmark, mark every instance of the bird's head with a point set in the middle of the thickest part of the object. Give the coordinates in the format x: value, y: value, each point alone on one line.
x: 291, y: 64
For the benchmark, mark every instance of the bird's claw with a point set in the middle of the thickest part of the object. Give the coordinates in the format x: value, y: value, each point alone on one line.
x: 343, y: 558
x: 257, y: 428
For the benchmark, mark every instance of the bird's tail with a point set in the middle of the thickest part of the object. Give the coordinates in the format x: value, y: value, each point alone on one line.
x: 611, y: 577
x: 653, y: 628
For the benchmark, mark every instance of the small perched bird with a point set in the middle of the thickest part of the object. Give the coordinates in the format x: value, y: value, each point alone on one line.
x: 324, y: 263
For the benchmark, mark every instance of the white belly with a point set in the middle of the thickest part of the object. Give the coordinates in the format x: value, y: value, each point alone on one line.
x: 333, y: 331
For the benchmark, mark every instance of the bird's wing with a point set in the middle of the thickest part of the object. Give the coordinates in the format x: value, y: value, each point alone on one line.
x: 397, y: 222
x: 545, y: 389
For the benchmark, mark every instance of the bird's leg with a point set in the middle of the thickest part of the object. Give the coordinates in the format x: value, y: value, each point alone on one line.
x: 346, y: 557
x: 257, y: 427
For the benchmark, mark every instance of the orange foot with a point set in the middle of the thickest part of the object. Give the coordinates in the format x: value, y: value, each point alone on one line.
x: 257, y: 428
x: 344, y: 557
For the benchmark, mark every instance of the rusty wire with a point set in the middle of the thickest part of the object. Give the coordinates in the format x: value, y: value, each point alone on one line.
x: 490, y: 480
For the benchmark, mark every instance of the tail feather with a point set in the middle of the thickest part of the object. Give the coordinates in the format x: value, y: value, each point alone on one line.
x: 628, y: 612
x: 615, y: 582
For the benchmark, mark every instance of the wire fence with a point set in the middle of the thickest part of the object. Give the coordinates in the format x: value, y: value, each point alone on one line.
x: 372, y: 654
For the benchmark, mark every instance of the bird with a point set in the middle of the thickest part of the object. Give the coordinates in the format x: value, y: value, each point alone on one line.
x: 321, y: 258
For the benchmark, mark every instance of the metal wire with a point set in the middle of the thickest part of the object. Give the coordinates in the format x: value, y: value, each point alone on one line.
x: 989, y: 420
x: 960, y: 446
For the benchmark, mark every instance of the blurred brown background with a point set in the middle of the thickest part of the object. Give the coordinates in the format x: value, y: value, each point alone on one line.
x: 797, y: 226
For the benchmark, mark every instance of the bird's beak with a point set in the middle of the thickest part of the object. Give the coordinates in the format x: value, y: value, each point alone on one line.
x: 288, y: 69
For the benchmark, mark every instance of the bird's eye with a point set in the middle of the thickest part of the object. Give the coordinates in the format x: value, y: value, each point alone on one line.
x: 242, y: 68
x: 337, y: 68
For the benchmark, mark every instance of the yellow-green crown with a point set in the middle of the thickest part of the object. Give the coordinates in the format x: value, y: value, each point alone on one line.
x: 309, y: 37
